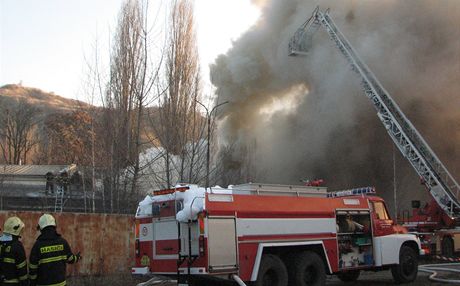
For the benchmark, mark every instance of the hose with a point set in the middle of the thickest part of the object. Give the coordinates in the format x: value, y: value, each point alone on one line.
x: 156, y: 281
x: 238, y: 280
x: 433, y: 268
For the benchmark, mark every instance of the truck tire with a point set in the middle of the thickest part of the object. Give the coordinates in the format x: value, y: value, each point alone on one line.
x: 307, y: 269
x: 272, y: 272
x: 349, y: 276
x: 447, y: 247
x: 406, y: 270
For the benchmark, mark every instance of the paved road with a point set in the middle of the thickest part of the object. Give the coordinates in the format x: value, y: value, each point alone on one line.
x: 369, y: 278
x: 366, y: 279
x: 379, y: 278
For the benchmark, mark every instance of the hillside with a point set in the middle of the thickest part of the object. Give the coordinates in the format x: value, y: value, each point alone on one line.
x: 66, y: 117
x: 47, y: 102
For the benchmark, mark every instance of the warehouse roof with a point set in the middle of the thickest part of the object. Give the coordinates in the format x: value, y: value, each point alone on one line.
x: 29, y: 170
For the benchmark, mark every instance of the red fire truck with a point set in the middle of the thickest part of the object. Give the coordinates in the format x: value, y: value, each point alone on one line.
x: 270, y: 235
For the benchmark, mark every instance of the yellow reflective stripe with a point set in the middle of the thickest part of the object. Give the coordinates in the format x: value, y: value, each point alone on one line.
x: 57, y: 284
x: 11, y: 281
x: 24, y: 277
x: 52, y: 259
x: 33, y: 266
x: 33, y: 277
x: 9, y: 260
x: 20, y: 265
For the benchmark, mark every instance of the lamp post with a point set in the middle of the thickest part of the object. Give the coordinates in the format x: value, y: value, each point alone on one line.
x: 208, y: 117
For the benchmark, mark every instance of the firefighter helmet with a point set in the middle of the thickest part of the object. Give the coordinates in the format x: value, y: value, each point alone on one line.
x: 13, y: 226
x: 46, y: 220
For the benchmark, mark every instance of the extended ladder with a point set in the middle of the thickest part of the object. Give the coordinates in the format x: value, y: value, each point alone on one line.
x: 441, y: 184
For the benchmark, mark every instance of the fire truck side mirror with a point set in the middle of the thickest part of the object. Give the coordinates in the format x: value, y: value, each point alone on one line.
x: 415, y: 204
x: 179, y: 206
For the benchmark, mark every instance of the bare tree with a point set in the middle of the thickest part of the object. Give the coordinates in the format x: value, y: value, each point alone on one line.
x: 128, y: 92
x: 17, y: 123
x: 68, y: 137
x: 132, y: 93
x: 179, y: 128
x: 2, y: 181
x: 94, y: 88
x: 126, y: 60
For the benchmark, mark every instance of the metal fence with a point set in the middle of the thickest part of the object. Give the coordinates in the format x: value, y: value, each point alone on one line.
x: 106, y: 242
x: 71, y: 204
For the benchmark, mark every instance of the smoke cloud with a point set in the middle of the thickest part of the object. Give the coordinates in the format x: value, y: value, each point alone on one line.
x: 307, y: 117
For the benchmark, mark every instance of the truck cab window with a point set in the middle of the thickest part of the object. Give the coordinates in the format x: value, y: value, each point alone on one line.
x: 164, y: 209
x: 380, y: 211
x: 155, y: 210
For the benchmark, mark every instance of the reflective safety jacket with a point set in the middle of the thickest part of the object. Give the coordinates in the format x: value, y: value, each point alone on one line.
x: 13, y: 264
x: 48, y: 259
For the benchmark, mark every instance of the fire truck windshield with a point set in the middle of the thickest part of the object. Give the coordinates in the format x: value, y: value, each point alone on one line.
x: 380, y: 210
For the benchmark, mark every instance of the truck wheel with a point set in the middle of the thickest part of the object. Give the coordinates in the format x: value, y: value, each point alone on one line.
x: 406, y: 270
x: 447, y: 247
x: 307, y: 269
x: 272, y: 272
x: 349, y: 276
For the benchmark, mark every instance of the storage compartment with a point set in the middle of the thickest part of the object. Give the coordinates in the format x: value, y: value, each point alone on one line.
x: 222, y: 244
x: 354, y: 236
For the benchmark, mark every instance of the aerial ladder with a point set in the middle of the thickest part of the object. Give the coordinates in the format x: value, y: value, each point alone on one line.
x: 441, y: 184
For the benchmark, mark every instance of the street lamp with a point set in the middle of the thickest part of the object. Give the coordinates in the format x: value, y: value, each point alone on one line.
x: 208, y: 117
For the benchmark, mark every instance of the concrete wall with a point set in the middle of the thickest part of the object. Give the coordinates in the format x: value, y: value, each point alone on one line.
x: 106, y: 242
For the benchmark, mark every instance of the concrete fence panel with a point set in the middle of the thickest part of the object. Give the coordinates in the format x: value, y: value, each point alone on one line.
x: 106, y: 242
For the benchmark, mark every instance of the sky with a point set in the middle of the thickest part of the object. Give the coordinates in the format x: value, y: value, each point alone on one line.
x: 46, y: 44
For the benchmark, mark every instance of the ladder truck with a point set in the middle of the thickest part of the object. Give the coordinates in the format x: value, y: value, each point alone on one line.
x: 438, y: 223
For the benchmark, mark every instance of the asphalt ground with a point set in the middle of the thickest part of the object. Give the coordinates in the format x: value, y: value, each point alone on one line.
x: 367, y: 278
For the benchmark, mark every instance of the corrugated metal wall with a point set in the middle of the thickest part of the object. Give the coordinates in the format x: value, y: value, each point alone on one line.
x: 106, y: 242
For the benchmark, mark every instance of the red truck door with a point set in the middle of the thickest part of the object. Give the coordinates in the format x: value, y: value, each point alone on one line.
x: 165, y: 230
x: 382, y: 223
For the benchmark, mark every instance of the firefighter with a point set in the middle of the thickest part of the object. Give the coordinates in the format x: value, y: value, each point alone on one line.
x: 49, y: 255
x: 13, y: 263
x: 353, y: 226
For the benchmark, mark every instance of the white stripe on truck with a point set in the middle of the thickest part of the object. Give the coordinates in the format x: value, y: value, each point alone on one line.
x: 284, y: 226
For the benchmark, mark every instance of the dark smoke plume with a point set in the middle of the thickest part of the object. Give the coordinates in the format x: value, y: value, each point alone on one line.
x: 308, y: 117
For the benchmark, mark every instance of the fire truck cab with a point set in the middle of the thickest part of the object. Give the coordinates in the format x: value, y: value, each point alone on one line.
x: 270, y: 235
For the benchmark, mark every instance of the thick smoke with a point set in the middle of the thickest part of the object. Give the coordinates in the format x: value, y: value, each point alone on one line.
x: 307, y: 117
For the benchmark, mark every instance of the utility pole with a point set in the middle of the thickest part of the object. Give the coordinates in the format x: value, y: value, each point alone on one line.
x: 394, y: 183
x: 208, y: 118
